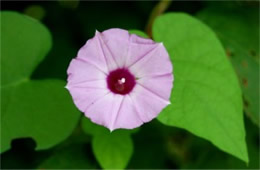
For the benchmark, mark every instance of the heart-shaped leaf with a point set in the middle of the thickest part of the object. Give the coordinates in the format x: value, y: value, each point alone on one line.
x: 41, y: 109
x: 206, y: 98
x: 113, y: 150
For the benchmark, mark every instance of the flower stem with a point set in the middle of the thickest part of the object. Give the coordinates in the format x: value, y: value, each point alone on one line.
x: 157, y: 10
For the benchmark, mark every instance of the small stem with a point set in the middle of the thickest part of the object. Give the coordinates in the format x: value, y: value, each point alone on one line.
x: 157, y: 10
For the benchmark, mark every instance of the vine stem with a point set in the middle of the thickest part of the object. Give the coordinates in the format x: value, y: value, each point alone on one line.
x: 157, y: 10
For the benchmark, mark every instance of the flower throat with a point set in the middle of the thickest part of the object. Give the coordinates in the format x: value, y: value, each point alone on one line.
x: 120, y: 81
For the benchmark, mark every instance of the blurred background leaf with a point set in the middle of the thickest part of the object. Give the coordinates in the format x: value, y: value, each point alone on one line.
x: 69, y: 157
x: 39, y: 109
x: 92, y: 128
x: 150, y: 148
x: 204, y: 155
x: 25, y: 42
x: 113, y: 150
x: 139, y: 33
x: 238, y: 30
x: 74, y: 152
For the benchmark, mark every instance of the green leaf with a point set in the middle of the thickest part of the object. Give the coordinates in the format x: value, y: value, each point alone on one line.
x: 92, y: 128
x: 204, y: 159
x: 73, y: 156
x: 41, y: 109
x: 206, y: 98
x: 139, y: 33
x: 25, y: 42
x: 113, y: 150
x: 239, y: 34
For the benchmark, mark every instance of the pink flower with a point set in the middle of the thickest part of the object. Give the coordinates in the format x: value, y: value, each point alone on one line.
x: 120, y: 80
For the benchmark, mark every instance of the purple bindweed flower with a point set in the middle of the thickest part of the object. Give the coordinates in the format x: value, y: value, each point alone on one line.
x: 120, y: 80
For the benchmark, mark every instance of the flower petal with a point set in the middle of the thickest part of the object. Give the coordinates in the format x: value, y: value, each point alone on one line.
x: 96, y: 84
x: 92, y: 53
x: 156, y: 62
x: 140, y: 40
x: 84, y: 97
x: 127, y: 117
x: 115, y: 43
x: 147, y: 103
x: 105, y: 110
x: 86, y: 83
x: 81, y: 71
x: 158, y: 84
x: 138, y: 48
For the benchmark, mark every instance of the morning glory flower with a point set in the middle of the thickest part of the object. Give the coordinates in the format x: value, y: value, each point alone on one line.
x: 120, y: 80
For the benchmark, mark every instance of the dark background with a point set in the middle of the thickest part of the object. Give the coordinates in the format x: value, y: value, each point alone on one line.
x: 71, y: 25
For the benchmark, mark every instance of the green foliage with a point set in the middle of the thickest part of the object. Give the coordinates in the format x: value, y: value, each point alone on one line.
x: 139, y: 33
x: 24, y: 44
x: 206, y: 98
x: 113, y: 150
x: 41, y: 109
x: 92, y: 128
x: 150, y: 147
x: 205, y: 159
x: 37, y: 111
x: 240, y: 36
x: 69, y: 157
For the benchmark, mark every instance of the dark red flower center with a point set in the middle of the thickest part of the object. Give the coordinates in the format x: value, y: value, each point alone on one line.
x: 120, y: 81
